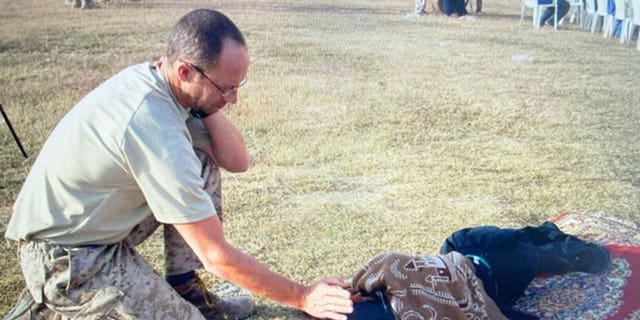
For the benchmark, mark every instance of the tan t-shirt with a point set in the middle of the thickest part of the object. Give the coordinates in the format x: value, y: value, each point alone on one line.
x: 123, y: 152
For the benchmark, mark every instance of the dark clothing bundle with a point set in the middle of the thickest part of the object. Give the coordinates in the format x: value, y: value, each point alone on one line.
x: 507, y: 260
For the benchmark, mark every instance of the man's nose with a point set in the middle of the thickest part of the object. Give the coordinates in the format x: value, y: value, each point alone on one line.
x: 232, y: 97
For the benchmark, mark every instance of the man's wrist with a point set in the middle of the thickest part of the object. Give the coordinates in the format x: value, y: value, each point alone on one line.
x: 303, y: 297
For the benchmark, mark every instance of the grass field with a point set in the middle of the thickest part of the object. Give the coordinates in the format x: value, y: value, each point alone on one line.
x: 368, y: 132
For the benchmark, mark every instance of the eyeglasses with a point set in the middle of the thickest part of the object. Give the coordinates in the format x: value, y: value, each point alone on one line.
x: 225, y: 93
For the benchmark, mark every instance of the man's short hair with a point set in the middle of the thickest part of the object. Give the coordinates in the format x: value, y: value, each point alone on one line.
x: 199, y: 35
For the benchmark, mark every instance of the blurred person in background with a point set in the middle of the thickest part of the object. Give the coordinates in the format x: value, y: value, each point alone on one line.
x: 546, y: 20
x: 455, y: 9
x: 451, y: 8
x: 83, y: 4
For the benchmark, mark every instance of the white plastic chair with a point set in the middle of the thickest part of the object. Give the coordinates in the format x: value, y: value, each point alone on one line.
x: 635, y: 22
x: 576, y: 12
x: 538, y: 6
x: 590, y: 13
x: 623, y: 14
x: 610, y: 27
x: 601, y: 12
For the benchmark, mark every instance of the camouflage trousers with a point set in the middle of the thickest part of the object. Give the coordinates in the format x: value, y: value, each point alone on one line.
x: 110, y: 281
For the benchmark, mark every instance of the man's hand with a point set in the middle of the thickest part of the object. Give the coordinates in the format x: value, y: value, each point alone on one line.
x: 327, y: 299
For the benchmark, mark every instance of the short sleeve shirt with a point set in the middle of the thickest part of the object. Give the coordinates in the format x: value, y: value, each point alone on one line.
x: 121, y: 154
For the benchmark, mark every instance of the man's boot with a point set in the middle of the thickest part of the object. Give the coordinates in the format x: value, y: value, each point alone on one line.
x: 213, y: 307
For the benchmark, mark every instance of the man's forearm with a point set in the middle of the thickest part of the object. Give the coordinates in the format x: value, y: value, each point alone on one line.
x: 222, y: 259
x: 323, y: 299
x: 227, y: 144
x: 252, y: 275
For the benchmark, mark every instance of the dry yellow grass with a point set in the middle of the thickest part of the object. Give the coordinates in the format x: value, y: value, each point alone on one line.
x: 368, y: 132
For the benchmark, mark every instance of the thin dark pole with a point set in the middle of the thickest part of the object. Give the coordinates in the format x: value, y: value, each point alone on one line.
x: 13, y: 133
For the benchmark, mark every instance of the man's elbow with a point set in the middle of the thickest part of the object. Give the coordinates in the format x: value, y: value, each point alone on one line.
x: 223, y: 262
x: 239, y: 165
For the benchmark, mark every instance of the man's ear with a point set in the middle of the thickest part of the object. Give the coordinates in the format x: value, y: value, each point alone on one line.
x: 184, y: 72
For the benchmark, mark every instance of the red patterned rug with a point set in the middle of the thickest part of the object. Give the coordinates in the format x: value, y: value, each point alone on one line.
x: 612, y: 295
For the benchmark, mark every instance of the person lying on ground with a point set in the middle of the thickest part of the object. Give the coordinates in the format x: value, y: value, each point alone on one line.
x: 503, y: 260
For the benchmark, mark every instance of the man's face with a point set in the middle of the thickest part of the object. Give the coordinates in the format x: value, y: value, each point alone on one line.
x: 219, y: 85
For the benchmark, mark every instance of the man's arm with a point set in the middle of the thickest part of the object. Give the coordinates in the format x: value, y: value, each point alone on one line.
x: 227, y: 145
x: 324, y: 299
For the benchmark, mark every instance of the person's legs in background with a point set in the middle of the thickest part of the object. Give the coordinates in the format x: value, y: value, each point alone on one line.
x: 460, y: 8
x: 449, y: 7
x: 547, y: 16
x: 457, y: 7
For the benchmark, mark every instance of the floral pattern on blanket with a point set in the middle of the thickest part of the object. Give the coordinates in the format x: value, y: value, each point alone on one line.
x: 612, y: 295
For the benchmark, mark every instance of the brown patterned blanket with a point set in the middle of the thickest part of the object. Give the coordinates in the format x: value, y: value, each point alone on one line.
x: 434, y: 287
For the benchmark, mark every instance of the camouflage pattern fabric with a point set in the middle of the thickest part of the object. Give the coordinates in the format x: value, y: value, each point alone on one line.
x: 99, y: 282
x: 212, y: 180
x: 434, y: 287
x: 110, y: 281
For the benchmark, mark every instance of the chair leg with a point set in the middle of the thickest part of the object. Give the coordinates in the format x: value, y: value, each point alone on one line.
x: 585, y: 22
x: 594, y: 23
x: 625, y: 28
x: 580, y: 15
x: 589, y: 22
x: 611, y: 27
x: 576, y: 15
x: 572, y: 17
